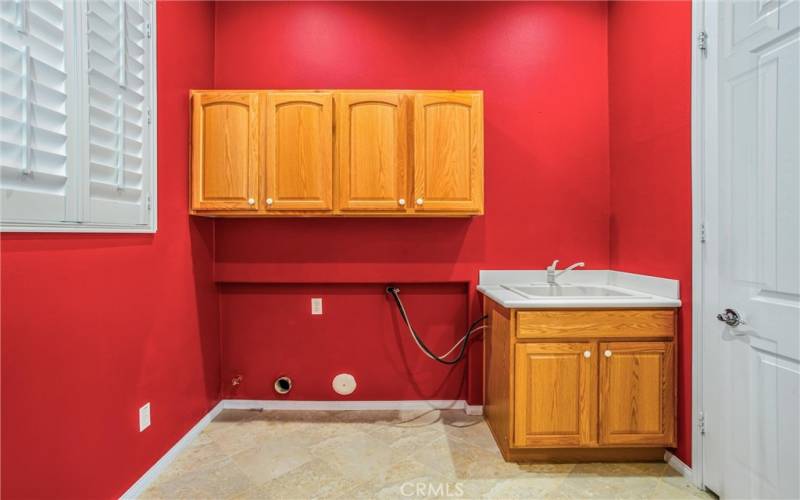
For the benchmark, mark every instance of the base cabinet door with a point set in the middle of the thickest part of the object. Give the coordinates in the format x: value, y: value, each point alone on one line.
x: 448, y: 152
x: 299, y: 144
x: 555, y: 395
x: 372, y: 132
x: 225, y: 151
x: 637, y: 393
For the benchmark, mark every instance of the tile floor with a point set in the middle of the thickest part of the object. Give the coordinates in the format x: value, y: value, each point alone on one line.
x: 385, y: 454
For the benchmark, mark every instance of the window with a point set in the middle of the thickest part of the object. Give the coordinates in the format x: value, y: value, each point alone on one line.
x: 77, y: 117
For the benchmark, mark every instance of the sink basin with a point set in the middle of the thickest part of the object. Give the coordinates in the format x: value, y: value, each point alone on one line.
x: 566, y: 291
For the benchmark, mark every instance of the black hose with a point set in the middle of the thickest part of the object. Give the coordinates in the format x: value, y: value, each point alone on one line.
x: 395, y: 292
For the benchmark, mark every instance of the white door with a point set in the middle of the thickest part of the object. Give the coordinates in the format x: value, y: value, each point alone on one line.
x: 751, y: 258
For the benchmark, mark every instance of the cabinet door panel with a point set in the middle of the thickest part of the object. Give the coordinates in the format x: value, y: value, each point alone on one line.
x: 225, y: 152
x: 555, y: 395
x: 372, y: 139
x: 448, y: 152
x: 637, y: 395
x: 299, y: 140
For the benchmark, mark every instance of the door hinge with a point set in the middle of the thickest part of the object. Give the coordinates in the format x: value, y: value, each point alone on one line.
x: 149, y: 205
x: 147, y: 29
x: 702, y: 41
x: 702, y: 233
x: 149, y: 116
x: 701, y: 423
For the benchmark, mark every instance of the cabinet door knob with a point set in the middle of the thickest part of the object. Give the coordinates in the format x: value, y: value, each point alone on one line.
x: 587, y: 354
x: 419, y: 201
x: 269, y: 201
x: 251, y: 201
x: 401, y: 202
x: 607, y: 353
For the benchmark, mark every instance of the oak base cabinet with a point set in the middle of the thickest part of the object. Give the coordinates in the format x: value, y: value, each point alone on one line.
x: 555, y: 397
x: 580, y: 385
x: 636, y: 393
x: 345, y: 153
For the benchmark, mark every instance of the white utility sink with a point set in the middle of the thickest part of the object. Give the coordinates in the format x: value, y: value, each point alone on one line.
x: 544, y: 291
x: 595, y: 289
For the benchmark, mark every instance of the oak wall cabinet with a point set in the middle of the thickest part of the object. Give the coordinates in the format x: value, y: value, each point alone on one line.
x: 299, y: 145
x: 578, y: 385
x: 448, y: 152
x: 373, y: 151
x: 225, y: 151
x: 337, y: 153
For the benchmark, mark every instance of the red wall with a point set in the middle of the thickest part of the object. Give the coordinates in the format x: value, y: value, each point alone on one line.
x: 543, y: 67
x: 270, y: 333
x: 94, y: 326
x: 650, y: 126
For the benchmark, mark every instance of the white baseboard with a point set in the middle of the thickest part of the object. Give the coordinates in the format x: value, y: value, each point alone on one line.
x: 677, y: 464
x: 152, y: 473
x: 473, y: 409
x: 150, y: 476
x: 433, y: 404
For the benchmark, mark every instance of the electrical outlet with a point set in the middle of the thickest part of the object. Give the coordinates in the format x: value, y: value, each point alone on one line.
x: 316, y: 306
x: 144, y: 417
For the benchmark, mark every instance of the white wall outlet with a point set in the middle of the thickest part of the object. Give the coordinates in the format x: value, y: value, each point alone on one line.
x: 316, y: 306
x: 144, y: 417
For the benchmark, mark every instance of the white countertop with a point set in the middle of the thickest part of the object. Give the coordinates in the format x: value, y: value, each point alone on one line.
x: 642, y: 291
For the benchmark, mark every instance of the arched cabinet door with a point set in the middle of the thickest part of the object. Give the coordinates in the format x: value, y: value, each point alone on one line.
x: 448, y: 152
x: 225, y: 151
x: 299, y: 145
x: 372, y: 131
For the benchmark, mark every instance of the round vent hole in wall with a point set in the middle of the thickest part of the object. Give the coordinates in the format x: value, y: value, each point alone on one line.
x: 283, y: 385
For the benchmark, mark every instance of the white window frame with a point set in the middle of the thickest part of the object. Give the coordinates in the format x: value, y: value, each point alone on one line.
x: 78, y: 111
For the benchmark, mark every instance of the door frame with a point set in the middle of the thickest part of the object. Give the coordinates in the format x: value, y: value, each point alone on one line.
x: 698, y: 229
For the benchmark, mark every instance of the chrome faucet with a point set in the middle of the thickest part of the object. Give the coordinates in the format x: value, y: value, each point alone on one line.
x: 552, y: 274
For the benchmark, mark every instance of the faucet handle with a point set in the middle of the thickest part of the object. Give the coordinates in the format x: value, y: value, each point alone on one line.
x: 553, y: 266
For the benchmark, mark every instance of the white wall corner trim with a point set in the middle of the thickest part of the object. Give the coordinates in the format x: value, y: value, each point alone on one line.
x: 153, y: 472
x: 677, y: 464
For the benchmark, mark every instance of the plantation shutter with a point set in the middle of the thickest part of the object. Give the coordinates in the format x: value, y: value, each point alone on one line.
x: 117, y: 94
x: 36, y: 181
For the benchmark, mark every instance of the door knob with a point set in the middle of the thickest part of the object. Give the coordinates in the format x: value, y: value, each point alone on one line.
x: 731, y: 318
x: 269, y: 201
x: 587, y: 354
x: 251, y: 201
x: 420, y: 201
x: 607, y: 353
x: 401, y: 202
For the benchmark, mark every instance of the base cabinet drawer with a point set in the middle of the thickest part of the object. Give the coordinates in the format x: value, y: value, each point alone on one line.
x: 587, y: 325
x: 637, y: 394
